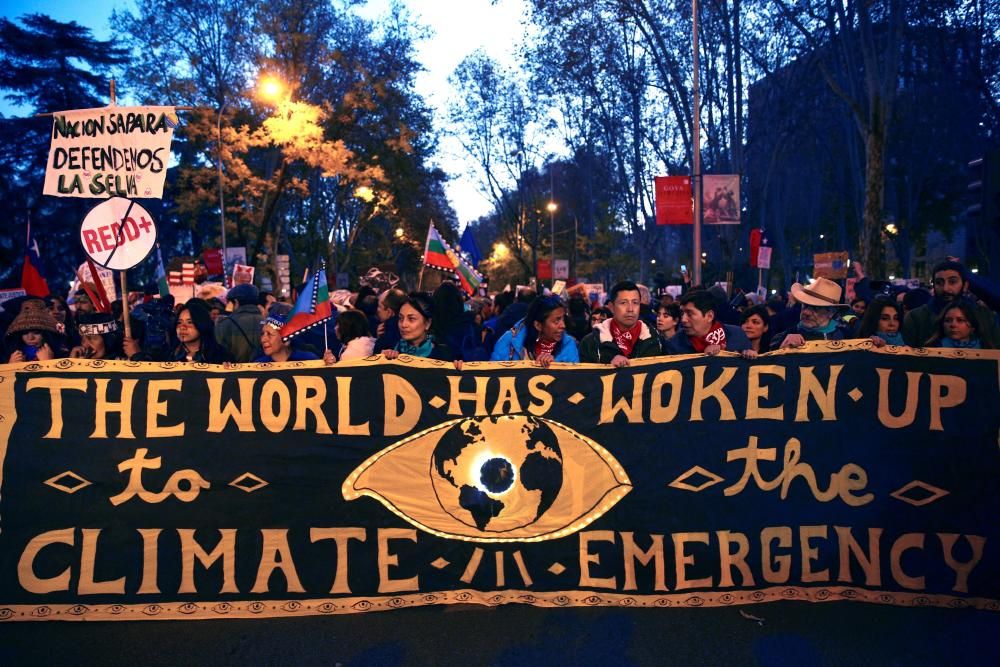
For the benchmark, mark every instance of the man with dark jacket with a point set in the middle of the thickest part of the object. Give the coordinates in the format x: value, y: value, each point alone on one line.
x: 818, y: 316
x: 387, y: 331
x: 701, y: 332
x: 239, y: 332
x: 951, y: 282
x: 624, y: 336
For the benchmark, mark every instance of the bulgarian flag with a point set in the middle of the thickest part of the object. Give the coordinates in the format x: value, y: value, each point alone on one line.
x: 312, y: 308
x: 439, y: 255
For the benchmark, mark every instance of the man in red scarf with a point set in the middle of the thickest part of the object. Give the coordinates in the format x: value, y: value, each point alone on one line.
x: 701, y: 333
x: 624, y: 336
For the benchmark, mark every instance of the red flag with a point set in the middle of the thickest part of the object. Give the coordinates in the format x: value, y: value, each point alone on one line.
x: 754, y: 245
x: 213, y: 261
x: 32, y: 280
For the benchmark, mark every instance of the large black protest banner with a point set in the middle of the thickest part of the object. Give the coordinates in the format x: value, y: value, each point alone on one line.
x: 170, y: 491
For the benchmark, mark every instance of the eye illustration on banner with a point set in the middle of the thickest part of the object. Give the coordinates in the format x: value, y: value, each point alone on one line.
x: 513, y: 478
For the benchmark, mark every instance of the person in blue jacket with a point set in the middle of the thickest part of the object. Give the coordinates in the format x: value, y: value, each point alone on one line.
x: 541, y: 336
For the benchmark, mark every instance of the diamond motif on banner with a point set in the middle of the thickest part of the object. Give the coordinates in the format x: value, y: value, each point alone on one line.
x: 576, y: 398
x: 67, y: 482
x: 925, y: 493
x: 686, y: 481
x: 440, y: 563
x: 436, y: 402
x: 855, y: 394
x: 557, y: 569
x: 255, y: 482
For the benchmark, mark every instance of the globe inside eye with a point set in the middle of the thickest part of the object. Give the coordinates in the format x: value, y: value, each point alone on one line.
x: 497, y: 475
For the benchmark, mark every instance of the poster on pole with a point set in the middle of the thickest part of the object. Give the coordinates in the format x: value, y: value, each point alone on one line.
x: 674, y: 205
x: 764, y: 257
x: 118, y: 233
x: 720, y: 197
x: 106, y: 276
x: 832, y: 265
x: 110, y: 152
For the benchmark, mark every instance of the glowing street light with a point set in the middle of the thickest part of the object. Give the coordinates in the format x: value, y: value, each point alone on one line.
x: 399, y: 232
x: 270, y: 88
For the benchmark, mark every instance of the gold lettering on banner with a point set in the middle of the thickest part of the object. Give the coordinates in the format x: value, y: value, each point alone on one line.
x: 682, y: 560
x: 56, y: 387
x: 135, y: 465
x: 103, y: 407
x: 811, y: 553
x: 728, y: 560
x: 658, y: 412
x: 843, y: 484
x: 654, y: 554
x: 457, y: 395
x: 501, y: 578
x: 344, y: 425
x: 869, y: 562
x: 507, y: 402
x: 310, y: 393
x: 903, y: 544
x: 587, y: 558
x: 632, y: 411
x: 536, y: 387
x: 276, y: 555
x: 342, y: 537
x: 155, y: 408
x: 241, y: 413
x: 772, y: 574
x: 397, y: 390
x: 387, y: 560
x: 909, y: 413
x: 703, y: 392
x: 947, y: 391
x: 88, y: 585
x: 961, y: 569
x: 26, y: 576
x: 757, y: 392
x: 224, y: 549
x: 150, y: 551
x: 275, y: 421
x: 825, y: 398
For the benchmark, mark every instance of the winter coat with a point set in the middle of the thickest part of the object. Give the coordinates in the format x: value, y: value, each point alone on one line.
x: 736, y: 341
x: 239, y: 332
x: 599, y: 347
x: 510, y: 347
x: 358, y: 348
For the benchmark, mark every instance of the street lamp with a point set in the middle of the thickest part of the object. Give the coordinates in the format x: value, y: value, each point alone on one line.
x: 551, y: 207
x: 270, y: 88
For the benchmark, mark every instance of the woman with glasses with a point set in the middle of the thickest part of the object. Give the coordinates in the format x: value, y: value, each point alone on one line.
x: 541, y: 336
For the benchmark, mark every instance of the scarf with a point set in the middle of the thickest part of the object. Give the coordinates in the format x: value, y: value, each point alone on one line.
x: 892, y: 339
x: 971, y: 344
x: 715, y: 336
x: 545, y: 347
x: 422, y: 350
x: 625, y: 339
x: 820, y: 331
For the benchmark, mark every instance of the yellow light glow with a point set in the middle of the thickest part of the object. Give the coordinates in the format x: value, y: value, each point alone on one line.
x: 551, y: 207
x: 500, y: 250
x: 270, y: 87
x: 891, y: 228
x: 364, y: 193
x: 399, y: 232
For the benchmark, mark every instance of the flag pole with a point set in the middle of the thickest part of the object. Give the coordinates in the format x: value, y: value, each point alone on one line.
x: 427, y: 244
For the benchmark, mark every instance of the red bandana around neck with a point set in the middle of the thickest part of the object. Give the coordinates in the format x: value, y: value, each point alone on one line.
x: 625, y: 339
x: 715, y: 336
x: 544, y: 347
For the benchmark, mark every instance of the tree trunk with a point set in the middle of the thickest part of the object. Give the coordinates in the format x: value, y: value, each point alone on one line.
x: 870, y: 240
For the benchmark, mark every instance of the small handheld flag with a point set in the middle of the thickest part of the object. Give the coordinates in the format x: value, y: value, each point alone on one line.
x: 439, y: 255
x: 312, y: 308
x: 32, y: 281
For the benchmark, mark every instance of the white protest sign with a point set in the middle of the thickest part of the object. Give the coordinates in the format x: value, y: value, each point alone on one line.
x: 118, y: 233
x: 114, y: 151
x: 8, y: 294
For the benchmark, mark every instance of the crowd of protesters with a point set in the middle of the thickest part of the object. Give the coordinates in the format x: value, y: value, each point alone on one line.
x: 960, y: 310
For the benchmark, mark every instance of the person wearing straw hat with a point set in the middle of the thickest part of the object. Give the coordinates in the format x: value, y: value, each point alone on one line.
x: 819, y: 318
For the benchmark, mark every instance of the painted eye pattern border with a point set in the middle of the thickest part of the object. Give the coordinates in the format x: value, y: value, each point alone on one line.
x: 600, y: 506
